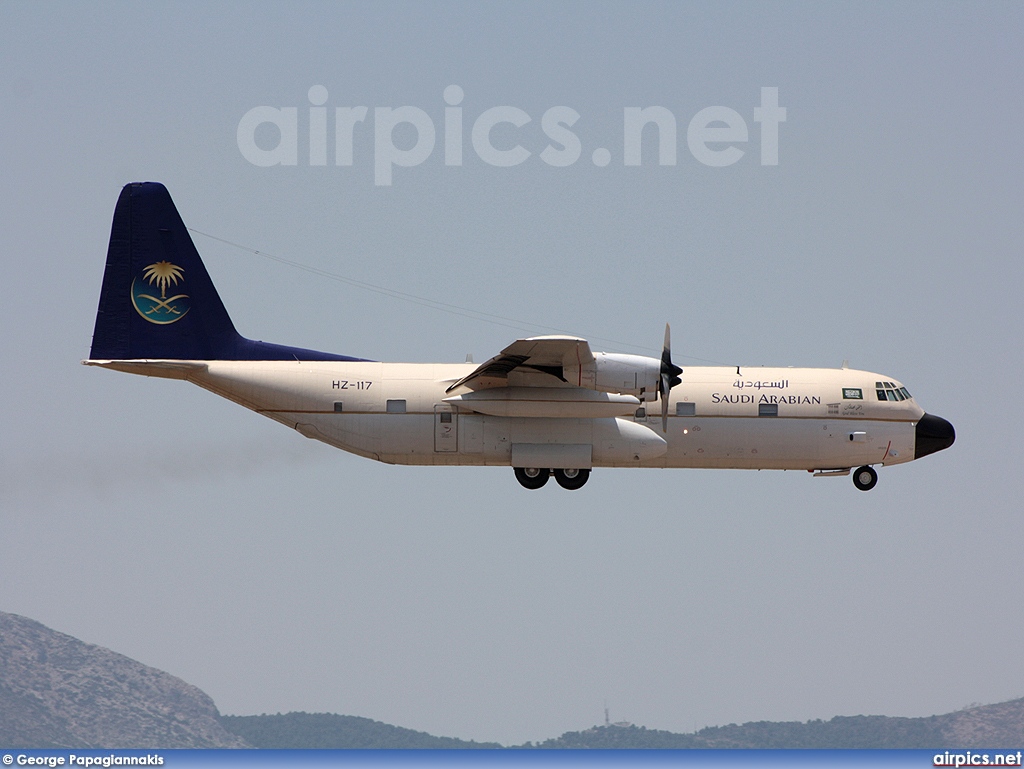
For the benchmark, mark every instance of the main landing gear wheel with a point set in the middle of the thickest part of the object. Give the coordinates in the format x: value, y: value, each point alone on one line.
x: 532, y: 477
x: 865, y: 478
x: 571, y: 479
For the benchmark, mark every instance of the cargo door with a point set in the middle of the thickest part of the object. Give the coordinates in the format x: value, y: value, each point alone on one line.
x: 446, y: 428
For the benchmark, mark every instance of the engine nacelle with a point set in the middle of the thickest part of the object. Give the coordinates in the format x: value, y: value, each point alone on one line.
x: 618, y: 373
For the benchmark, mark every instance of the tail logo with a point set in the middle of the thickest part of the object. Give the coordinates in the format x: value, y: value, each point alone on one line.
x: 163, y: 309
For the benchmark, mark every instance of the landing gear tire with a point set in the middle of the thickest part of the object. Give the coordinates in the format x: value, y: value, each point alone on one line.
x: 571, y: 479
x: 532, y: 477
x: 865, y: 478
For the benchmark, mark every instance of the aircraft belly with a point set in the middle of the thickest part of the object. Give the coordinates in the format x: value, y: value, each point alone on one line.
x: 489, y: 440
x: 850, y: 443
x: 738, y: 442
x: 358, y: 433
x: 784, y: 444
x: 471, y: 434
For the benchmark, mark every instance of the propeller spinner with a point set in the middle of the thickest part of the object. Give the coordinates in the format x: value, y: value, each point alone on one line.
x: 669, y: 378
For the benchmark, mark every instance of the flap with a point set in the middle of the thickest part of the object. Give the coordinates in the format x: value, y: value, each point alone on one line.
x: 548, y: 354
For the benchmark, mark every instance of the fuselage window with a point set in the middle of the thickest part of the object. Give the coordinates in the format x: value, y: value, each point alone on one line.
x: 445, y: 417
x: 768, y: 410
x: 337, y: 407
x: 396, y: 407
x: 686, y: 409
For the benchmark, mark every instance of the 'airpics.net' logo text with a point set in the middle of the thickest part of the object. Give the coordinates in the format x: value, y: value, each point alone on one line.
x: 715, y: 136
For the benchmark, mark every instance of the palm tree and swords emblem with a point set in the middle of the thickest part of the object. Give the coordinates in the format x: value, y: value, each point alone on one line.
x: 162, y: 309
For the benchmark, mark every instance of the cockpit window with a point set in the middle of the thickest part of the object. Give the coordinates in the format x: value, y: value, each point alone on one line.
x: 890, y: 391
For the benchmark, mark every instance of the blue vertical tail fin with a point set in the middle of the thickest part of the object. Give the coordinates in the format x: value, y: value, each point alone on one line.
x: 157, y: 299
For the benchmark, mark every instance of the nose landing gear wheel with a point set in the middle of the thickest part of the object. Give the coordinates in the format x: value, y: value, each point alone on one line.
x: 865, y: 478
x: 571, y: 479
x: 532, y: 477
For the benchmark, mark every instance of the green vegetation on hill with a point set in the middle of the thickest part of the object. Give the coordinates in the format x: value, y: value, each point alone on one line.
x: 617, y: 738
x: 840, y: 732
x: 326, y: 730
x: 323, y: 730
x: 881, y: 732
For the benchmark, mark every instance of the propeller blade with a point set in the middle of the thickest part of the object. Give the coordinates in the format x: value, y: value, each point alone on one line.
x: 669, y: 377
x: 664, y: 404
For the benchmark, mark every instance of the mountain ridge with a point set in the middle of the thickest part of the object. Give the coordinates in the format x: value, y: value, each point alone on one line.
x: 57, y: 691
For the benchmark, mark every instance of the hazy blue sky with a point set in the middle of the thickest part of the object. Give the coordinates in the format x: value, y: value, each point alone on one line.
x: 277, y: 574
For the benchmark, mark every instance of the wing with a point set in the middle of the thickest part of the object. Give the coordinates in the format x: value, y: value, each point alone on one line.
x: 546, y: 354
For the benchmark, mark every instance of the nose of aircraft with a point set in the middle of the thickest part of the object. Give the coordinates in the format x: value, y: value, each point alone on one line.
x: 933, y: 434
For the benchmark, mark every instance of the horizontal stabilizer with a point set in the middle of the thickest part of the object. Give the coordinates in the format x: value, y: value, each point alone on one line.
x: 166, y: 369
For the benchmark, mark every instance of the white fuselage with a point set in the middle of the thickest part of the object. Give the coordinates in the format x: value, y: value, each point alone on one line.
x: 719, y: 417
x: 548, y: 406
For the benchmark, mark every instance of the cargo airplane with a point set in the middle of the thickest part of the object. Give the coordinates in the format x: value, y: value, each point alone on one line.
x: 545, y: 406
